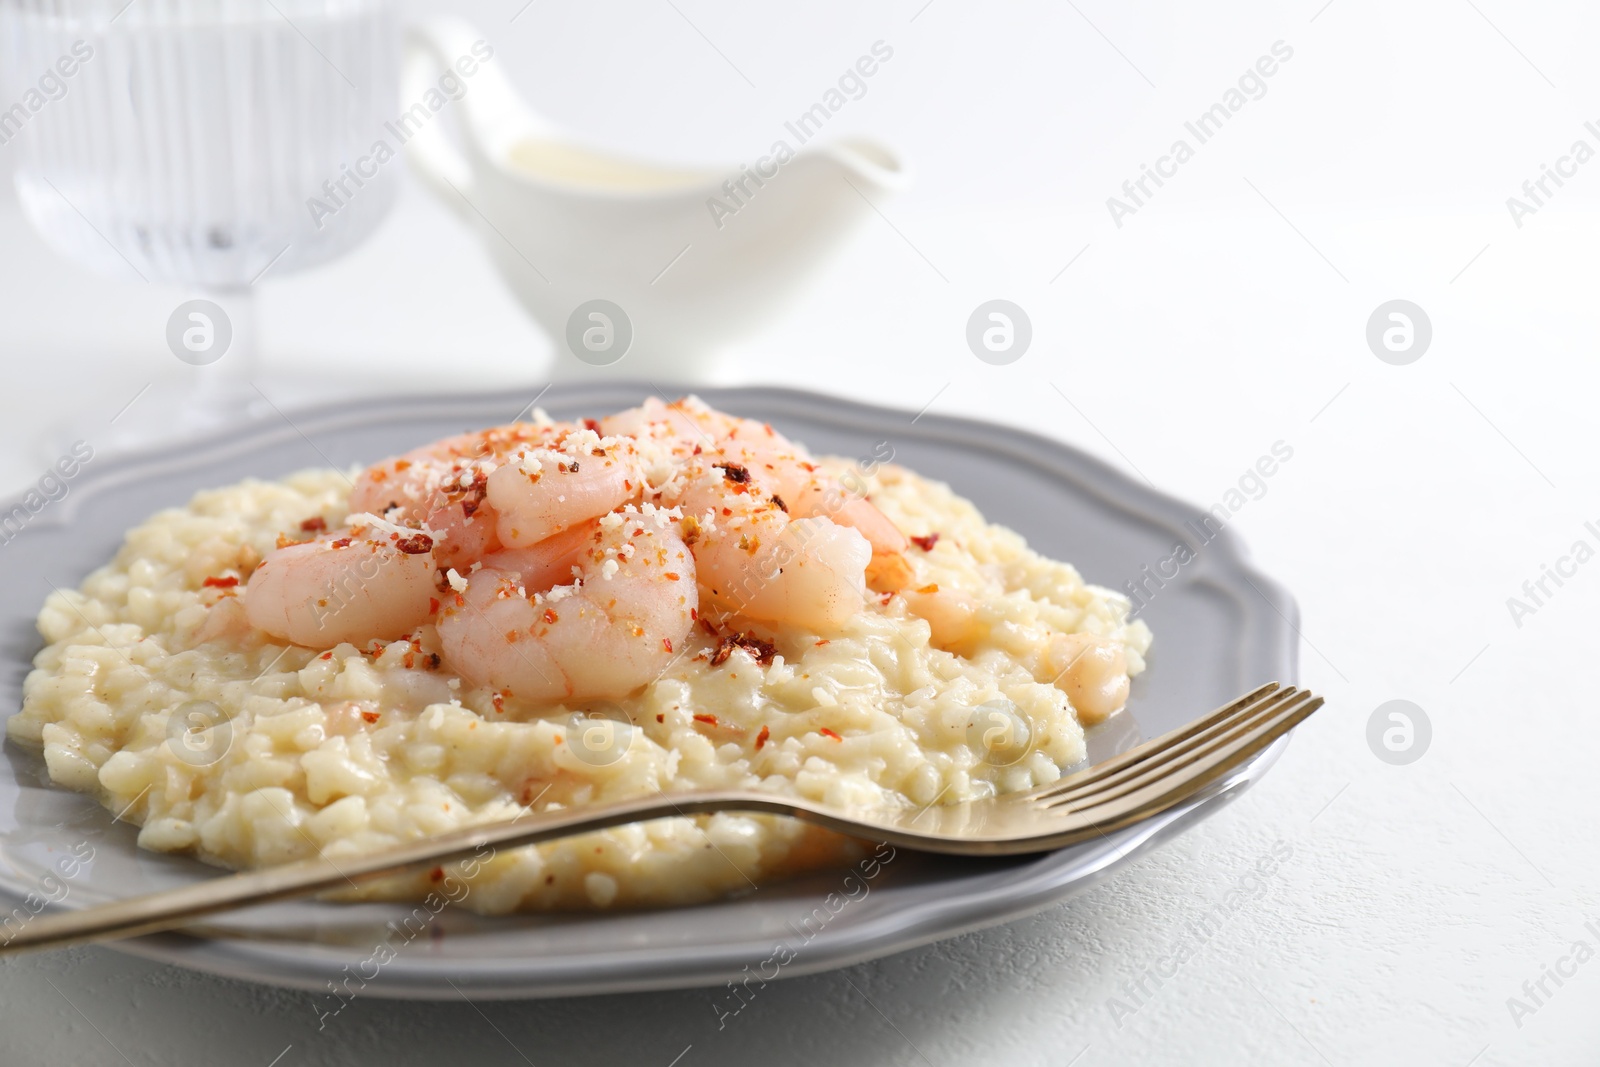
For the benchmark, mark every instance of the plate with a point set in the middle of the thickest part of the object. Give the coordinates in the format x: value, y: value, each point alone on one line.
x: 1221, y: 628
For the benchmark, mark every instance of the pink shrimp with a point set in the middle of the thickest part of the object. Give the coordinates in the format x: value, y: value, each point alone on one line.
x: 613, y: 629
x: 803, y: 488
x: 504, y: 487
x: 371, y: 581
x: 755, y: 561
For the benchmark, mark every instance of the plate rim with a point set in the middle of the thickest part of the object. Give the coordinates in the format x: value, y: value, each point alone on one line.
x: 1040, y: 884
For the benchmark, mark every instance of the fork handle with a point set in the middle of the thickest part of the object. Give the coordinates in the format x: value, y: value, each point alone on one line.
x: 176, y: 907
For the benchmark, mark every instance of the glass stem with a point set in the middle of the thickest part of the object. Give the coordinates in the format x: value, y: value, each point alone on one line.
x: 225, y: 386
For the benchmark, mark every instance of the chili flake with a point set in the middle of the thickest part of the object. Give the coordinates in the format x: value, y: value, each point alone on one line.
x: 926, y: 543
x: 761, y: 651
x: 415, y: 545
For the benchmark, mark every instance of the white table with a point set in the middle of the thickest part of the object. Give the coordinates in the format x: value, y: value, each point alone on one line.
x: 1226, y: 316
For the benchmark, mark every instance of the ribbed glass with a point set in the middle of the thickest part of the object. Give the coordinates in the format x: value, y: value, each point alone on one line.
x: 188, y: 138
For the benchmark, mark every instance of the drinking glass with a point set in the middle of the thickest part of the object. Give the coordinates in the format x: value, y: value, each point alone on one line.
x: 206, y: 144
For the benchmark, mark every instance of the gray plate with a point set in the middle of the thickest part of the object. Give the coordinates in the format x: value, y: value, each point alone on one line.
x: 1221, y: 628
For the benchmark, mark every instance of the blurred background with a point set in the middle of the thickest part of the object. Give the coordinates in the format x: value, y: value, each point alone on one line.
x: 1178, y: 342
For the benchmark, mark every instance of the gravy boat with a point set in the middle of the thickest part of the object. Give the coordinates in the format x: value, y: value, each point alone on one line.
x: 660, y: 268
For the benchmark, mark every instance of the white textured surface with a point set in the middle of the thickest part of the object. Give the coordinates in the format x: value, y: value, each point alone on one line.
x: 1417, y: 899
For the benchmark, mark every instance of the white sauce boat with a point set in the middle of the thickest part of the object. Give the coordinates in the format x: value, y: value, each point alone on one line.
x: 695, y: 259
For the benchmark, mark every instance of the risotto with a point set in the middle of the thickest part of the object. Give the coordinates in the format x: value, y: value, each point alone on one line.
x: 163, y: 692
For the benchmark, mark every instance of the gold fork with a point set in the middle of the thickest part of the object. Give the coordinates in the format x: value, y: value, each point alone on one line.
x: 1150, y: 778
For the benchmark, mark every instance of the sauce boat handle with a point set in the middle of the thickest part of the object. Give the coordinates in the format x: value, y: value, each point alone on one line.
x: 447, y: 63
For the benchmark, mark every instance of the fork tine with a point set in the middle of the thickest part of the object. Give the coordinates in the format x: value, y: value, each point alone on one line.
x: 1157, y: 760
x: 1163, y: 788
x: 1154, y: 747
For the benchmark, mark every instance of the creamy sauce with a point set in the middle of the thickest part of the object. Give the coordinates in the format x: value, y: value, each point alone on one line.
x: 568, y: 164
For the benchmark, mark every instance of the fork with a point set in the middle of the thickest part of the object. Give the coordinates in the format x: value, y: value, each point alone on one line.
x: 1143, y: 781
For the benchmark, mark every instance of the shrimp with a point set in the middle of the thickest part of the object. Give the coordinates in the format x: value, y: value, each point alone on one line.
x: 689, y: 428
x: 602, y: 636
x: 373, y: 580
x: 505, y: 487
x: 545, y: 491
x: 754, y: 561
x: 1091, y: 670
x: 807, y: 491
x: 952, y: 617
x: 412, y: 481
x: 442, y: 486
x: 685, y: 424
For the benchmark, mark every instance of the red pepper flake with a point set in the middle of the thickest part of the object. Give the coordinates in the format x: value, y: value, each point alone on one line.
x: 499, y: 702
x: 667, y: 643
x: 326, y: 655
x: 761, y: 651
x: 661, y: 717
x: 926, y: 543
x: 736, y: 473
x: 415, y: 545
x: 931, y: 587
x: 434, y: 661
x: 672, y: 576
x: 433, y: 605
x: 825, y: 732
x: 821, y: 641
x: 314, y: 524
x: 709, y: 719
x: 591, y: 424
x: 550, y: 616
x: 220, y: 583
x: 369, y: 716
x: 436, y: 875
x: 761, y: 738
x: 778, y: 501
x: 726, y: 512
x: 343, y: 542
x: 402, y: 464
